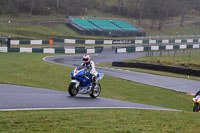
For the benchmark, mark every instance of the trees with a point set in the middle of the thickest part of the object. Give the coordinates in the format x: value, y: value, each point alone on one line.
x: 120, y: 6
x: 155, y: 10
x: 160, y: 10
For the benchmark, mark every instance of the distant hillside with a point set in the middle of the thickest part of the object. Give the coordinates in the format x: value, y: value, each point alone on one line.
x: 158, y: 11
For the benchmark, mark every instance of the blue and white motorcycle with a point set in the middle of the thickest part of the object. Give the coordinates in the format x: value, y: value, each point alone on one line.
x: 81, y: 82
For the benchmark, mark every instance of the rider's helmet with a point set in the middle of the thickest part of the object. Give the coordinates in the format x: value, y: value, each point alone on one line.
x: 86, y: 59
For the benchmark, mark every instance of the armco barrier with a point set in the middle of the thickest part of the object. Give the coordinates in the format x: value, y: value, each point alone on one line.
x: 29, y: 42
x: 173, y: 69
x: 137, y: 41
x: 140, y: 48
x: 53, y: 50
x: 90, y: 41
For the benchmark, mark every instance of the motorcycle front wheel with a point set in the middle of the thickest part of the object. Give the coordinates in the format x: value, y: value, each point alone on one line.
x: 73, y: 91
x: 96, y: 90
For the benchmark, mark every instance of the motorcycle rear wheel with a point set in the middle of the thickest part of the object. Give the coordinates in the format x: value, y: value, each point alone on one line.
x: 96, y: 90
x: 196, y: 108
x: 73, y: 91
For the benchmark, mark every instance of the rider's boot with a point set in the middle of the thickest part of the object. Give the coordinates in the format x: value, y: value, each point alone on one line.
x: 94, y: 80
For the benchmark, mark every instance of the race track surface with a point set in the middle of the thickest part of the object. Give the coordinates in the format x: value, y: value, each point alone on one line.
x: 108, y: 55
x: 13, y: 97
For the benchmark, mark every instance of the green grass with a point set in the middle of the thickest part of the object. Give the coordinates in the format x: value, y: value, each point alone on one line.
x: 108, y: 64
x: 187, y: 29
x: 99, y: 121
x: 63, y: 31
x: 188, y: 60
x: 33, y: 31
x: 45, y: 32
x: 27, y: 17
x: 31, y: 70
x: 181, y: 60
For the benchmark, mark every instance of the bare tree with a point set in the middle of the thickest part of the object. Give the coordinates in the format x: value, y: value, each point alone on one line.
x: 183, y: 12
x: 137, y: 6
x: 163, y: 12
x: 11, y: 9
x: 57, y: 4
x: 186, y: 6
x: 120, y: 6
x: 31, y: 9
x: 155, y: 10
x: 141, y: 11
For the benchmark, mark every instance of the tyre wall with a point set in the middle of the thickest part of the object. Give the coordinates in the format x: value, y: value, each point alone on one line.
x: 173, y: 69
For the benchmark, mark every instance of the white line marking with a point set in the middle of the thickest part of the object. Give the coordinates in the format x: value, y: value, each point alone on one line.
x: 71, y: 108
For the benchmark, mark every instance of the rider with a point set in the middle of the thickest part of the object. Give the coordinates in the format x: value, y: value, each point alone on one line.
x: 87, y: 62
x: 198, y: 93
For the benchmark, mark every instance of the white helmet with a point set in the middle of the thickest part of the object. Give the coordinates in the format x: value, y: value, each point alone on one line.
x: 86, y: 59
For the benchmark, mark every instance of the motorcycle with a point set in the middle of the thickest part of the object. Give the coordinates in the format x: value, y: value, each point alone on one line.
x: 81, y: 82
x: 196, y: 104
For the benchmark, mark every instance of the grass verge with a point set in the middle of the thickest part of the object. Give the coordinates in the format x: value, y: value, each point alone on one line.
x: 181, y: 59
x: 63, y: 31
x: 27, y: 17
x: 33, y: 31
x: 188, y: 60
x: 31, y: 70
x: 99, y: 121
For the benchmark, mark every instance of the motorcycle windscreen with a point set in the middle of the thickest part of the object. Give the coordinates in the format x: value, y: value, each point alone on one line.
x: 81, y: 68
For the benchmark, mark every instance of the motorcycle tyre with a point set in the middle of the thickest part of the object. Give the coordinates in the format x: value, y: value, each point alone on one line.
x: 71, y: 88
x: 92, y: 95
x: 195, y: 108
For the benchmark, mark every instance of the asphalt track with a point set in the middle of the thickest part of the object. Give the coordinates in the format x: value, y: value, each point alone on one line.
x: 108, y: 55
x: 14, y: 97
